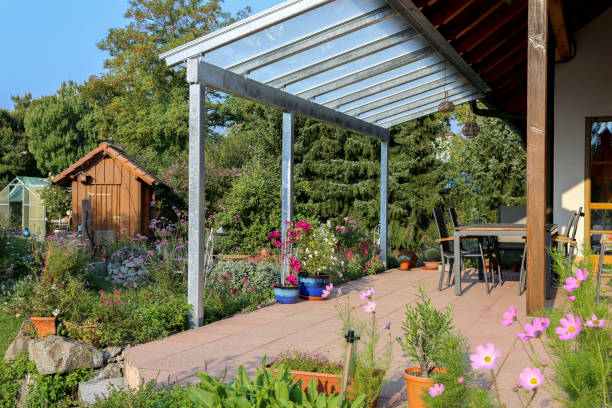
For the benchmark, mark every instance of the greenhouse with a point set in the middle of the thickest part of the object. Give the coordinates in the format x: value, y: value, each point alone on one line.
x: 21, y: 205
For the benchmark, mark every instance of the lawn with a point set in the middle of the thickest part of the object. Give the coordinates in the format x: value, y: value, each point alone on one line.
x: 9, y: 326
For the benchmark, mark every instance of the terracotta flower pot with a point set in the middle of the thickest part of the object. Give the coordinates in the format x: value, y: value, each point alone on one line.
x: 417, y: 386
x: 432, y: 266
x: 45, y: 326
x: 405, y: 265
x: 327, y: 383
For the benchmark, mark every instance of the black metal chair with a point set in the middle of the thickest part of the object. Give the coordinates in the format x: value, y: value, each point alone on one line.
x: 447, y: 253
x: 602, y: 253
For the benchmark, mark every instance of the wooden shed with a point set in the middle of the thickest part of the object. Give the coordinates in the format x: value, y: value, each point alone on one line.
x: 119, y: 190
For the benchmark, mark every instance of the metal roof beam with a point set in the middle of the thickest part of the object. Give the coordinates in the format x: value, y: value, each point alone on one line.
x: 405, y: 94
x: 427, y: 111
x: 314, y: 39
x: 343, y: 58
x: 366, y: 73
x: 226, y: 81
x: 421, y: 24
x: 382, y: 86
x: 241, y: 29
x: 387, y: 113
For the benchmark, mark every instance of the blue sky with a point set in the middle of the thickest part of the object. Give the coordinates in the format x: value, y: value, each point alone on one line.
x: 45, y: 42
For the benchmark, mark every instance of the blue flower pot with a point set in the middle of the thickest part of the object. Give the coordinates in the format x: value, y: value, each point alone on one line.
x: 286, y: 294
x: 312, y: 286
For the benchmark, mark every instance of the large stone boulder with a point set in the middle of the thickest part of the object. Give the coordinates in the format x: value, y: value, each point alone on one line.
x: 56, y: 354
x: 27, y: 334
x: 92, y: 391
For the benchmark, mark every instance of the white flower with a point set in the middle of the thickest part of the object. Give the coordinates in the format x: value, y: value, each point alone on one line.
x: 54, y: 287
x: 55, y: 312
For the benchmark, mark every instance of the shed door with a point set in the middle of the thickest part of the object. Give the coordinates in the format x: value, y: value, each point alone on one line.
x: 105, y: 204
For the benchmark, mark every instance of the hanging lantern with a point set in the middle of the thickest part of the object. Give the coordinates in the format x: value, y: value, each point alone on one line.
x: 470, y: 130
x: 446, y: 106
x: 449, y: 134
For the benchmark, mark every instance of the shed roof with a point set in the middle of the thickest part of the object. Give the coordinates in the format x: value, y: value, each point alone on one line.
x: 113, y: 151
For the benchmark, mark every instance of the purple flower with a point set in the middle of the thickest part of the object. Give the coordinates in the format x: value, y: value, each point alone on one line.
x: 535, y: 328
x: 485, y: 357
x: 531, y: 378
x: 509, y: 316
x: 570, y: 327
x: 436, y: 390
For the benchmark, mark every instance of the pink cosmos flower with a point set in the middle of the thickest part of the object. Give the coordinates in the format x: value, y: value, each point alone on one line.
x: 571, y: 298
x: 595, y: 322
x: 370, y: 307
x: 346, y: 218
x: 436, y: 390
x: 485, y: 357
x: 571, y: 283
x: 509, y: 316
x: 531, y: 378
x: 325, y: 293
x: 534, y: 329
x: 571, y: 327
x: 339, y: 292
x: 329, y: 287
x: 460, y: 380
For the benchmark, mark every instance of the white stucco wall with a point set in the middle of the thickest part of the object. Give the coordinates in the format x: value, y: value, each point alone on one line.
x: 583, y: 88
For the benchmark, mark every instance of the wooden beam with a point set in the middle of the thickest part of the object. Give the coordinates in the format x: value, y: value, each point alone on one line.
x: 537, y: 81
x: 518, y: 59
x: 557, y: 20
x: 490, y: 64
x: 517, y: 102
x: 494, y: 43
x: 424, y: 3
x: 489, y: 26
x: 446, y: 12
x: 470, y: 18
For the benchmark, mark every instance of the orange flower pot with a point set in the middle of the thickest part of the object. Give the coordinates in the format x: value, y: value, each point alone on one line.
x: 417, y: 386
x: 45, y: 326
x: 405, y: 265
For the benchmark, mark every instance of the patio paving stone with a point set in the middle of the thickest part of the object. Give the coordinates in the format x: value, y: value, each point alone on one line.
x: 314, y: 326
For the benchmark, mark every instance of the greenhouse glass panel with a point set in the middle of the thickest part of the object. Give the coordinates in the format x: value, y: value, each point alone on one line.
x: 37, y: 212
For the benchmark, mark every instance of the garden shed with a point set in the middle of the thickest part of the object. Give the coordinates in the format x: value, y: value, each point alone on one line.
x: 21, y: 204
x: 119, y: 190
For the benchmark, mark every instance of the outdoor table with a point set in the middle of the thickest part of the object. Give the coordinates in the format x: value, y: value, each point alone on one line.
x: 497, y: 230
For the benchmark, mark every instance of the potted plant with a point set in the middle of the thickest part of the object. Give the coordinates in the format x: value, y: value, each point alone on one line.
x: 289, y: 292
x: 405, y: 262
x: 425, y: 330
x: 432, y: 259
x: 309, y: 365
x: 315, y: 257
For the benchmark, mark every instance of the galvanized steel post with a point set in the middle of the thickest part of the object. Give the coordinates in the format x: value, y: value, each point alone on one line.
x: 287, y: 185
x: 384, y: 182
x: 196, y: 232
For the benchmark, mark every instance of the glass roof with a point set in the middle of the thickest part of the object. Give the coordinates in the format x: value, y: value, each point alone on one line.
x: 359, y: 57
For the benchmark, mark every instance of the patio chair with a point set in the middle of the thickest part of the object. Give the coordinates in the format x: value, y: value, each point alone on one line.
x: 567, y: 240
x: 604, y: 243
x: 447, y: 254
x: 491, y: 246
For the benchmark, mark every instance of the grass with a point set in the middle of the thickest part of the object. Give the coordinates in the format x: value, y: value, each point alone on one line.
x: 9, y: 326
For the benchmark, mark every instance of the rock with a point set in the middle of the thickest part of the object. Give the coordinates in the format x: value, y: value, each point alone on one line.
x: 24, y: 390
x: 94, y: 390
x: 117, y: 359
x: 112, y: 370
x: 27, y: 333
x: 57, y: 354
x: 112, y: 351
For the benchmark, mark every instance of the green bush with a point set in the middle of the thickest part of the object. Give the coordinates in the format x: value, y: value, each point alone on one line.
x: 10, y: 375
x: 62, y: 259
x: 57, y: 201
x: 312, y: 362
x: 57, y: 390
x: 147, y: 396
x: 260, y: 275
x: 392, y: 261
x: 432, y: 255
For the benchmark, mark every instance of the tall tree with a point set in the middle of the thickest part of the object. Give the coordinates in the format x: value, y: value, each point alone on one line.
x: 57, y: 135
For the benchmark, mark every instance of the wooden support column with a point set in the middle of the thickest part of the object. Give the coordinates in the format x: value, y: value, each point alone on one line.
x: 537, y: 75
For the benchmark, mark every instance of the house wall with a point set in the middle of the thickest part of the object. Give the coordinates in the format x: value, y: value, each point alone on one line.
x: 583, y: 88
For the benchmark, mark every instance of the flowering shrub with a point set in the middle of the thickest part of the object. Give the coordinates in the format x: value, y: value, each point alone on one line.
x: 317, y: 248
x: 63, y: 257
x: 307, y: 361
x: 15, y: 254
x: 350, y: 234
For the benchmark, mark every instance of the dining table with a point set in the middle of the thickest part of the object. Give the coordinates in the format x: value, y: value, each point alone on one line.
x: 498, y: 230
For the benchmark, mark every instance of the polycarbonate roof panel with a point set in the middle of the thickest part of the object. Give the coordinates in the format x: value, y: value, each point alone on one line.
x: 359, y: 57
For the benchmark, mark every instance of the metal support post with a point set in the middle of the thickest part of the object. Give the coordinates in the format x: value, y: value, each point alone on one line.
x: 196, y: 232
x: 287, y: 187
x: 384, y: 183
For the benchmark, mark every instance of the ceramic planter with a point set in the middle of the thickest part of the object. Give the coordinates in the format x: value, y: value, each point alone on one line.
x: 406, y: 265
x: 312, y: 287
x: 431, y: 266
x: 45, y: 326
x: 84, y: 333
x: 286, y: 294
x: 327, y: 383
x: 417, y: 386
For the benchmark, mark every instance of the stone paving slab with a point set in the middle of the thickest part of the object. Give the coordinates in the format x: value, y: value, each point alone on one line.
x: 244, y: 339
